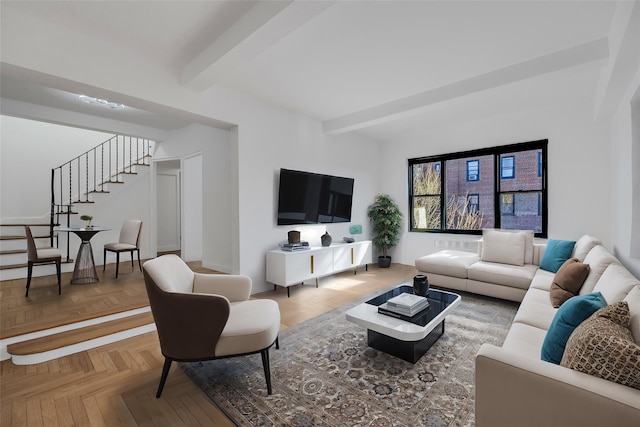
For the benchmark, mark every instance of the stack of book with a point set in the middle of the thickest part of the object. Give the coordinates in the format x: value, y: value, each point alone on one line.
x: 404, y: 306
x: 299, y: 246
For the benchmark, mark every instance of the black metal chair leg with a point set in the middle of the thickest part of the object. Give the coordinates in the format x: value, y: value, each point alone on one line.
x: 104, y: 260
x: 165, y: 373
x: 139, y: 265
x: 59, y: 281
x: 29, y: 271
x: 278, y: 343
x: 267, y: 369
x: 132, y: 261
x: 117, y: 263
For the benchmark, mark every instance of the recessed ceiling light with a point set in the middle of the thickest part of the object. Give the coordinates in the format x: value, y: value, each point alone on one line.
x: 102, y: 102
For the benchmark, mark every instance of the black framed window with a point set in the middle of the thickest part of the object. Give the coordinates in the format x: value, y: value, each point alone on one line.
x: 540, y: 164
x: 507, y: 204
x: 473, y: 170
x: 473, y: 203
x: 467, y: 191
x: 507, y: 167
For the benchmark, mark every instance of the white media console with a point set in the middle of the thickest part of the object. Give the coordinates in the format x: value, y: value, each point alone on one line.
x: 293, y: 268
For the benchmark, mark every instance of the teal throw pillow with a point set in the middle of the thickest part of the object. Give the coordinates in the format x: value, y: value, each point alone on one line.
x: 570, y: 314
x: 556, y: 253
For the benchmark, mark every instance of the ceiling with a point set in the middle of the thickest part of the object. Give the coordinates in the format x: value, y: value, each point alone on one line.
x: 375, y: 67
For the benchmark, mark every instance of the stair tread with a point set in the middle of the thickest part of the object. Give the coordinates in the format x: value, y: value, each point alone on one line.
x: 24, y: 265
x: 14, y: 251
x: 67, y: 338
x: 21, y: 224
x: 23, y: 237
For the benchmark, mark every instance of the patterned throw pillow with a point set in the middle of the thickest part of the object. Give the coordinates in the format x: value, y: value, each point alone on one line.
x: 603, y: 346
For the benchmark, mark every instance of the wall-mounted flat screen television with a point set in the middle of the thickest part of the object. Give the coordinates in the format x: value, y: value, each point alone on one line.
x: 311, y: 198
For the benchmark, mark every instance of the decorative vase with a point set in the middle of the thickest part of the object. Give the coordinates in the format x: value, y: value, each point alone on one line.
x: 294, y: 236
x: 421, y: 285
x: 326, y: 239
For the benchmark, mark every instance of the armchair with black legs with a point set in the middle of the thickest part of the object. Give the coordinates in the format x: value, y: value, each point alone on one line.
x: 207, y: 316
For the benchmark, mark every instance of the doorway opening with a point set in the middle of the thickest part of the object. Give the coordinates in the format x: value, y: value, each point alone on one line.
x: 168, y: 207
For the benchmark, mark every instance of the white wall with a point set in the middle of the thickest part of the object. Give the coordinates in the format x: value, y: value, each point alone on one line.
x: 625, y: 209
x: 218, y: 175
x: 28, y: 151
x: 579, y: 169
x: 270, y: 139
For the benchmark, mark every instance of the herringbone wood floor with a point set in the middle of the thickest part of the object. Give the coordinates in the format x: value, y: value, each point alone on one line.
x: 115, y: 384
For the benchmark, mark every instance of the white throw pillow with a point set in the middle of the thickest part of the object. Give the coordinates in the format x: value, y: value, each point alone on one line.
x: 503, y: 247
x: 598, y: 258
x: 615, y: 283
x: 528, y: 241
x: 583, y: 246
x: 633, y: 299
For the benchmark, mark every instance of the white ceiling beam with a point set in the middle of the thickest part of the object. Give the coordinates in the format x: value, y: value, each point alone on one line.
x: 263, y: 25
x: 624, y: 42
x: 393, y: 110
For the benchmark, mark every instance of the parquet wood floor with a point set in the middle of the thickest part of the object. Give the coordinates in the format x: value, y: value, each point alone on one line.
x: 44, y: 308
x: 115, y: 384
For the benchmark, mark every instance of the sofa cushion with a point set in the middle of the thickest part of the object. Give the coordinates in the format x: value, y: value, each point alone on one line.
x: 567, y: 318
x: 615, y: 283
x: 542, y: 280
x: 633, y: 299
x: 598, y: 258
x: 603, y: 346
x: 524, y: 339
x: 556, y: 253
x: 447, y: 263
x: 536, y: 310
x: 503, y: 247
x: 502, y: 274
x: 583, y: 246
x: 567, y: 281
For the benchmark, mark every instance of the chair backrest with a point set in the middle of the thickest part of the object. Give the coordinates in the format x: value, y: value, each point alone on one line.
x: 170, y: 273
x: 130, y: 232
x: 32, y: 252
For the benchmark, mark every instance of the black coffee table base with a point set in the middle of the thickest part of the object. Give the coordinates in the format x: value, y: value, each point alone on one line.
x: 411, y: 351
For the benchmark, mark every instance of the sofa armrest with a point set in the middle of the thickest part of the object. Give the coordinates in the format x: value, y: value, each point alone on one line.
x: 512, y: 390
x: 538, y: 252
x: 233, y: 287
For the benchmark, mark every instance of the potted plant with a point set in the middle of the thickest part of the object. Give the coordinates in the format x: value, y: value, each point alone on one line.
x: 87, y: 218
x: 386, y: 221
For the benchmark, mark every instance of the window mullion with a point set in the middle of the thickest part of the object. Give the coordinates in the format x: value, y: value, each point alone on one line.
x: 443, y: 207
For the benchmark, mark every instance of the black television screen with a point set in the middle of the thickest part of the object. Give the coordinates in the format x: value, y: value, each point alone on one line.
x: 311, y: 198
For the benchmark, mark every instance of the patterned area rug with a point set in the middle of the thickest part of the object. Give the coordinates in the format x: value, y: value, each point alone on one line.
x: 324, y: 374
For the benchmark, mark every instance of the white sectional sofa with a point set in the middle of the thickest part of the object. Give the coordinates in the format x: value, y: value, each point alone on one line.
x: 482, y: 273
x: 514, y: 386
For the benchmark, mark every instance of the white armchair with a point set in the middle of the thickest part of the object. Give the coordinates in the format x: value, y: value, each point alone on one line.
x: 207, y: 316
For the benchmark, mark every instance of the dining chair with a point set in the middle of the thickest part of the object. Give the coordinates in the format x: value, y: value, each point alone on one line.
x: 129, y: 241
x: 207, y: 316
x: 43, y: 255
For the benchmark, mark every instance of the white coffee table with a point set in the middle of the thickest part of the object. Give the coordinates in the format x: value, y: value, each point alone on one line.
x: 408, y: 340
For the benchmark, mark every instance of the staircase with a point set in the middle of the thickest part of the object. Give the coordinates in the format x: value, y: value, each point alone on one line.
x: 83, y: 180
